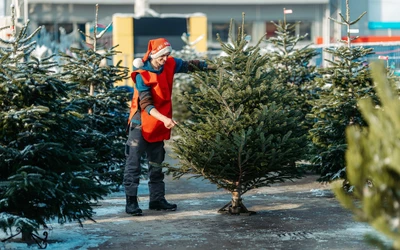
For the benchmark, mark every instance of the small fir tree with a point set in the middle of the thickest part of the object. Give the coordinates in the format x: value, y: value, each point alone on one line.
x: 346, y: 80
x: 241, y: 134
x: 48, y: 174
x: 290, y: 61
x: 372, y: 160
x: 106, y: 106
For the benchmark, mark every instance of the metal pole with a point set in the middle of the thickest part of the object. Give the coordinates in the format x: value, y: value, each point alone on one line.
x: 2, y: 8
x: 25, y: 11
x: 17, y: 9
x: 326, y: 33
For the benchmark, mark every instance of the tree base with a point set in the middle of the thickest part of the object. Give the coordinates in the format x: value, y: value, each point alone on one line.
x: 237, y: 210
x: 30, y: 237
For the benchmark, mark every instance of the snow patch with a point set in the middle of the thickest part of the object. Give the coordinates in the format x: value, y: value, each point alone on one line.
x: 320, y: 192
x: 69, y: 236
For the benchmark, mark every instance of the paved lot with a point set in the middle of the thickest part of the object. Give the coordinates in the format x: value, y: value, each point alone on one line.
x: 299, y: 215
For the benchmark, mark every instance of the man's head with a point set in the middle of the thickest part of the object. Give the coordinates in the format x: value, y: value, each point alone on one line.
x: 157, y: 49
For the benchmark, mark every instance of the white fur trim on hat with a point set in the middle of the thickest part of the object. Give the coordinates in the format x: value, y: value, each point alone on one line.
x: 161, y: 52
x: 138, y: 63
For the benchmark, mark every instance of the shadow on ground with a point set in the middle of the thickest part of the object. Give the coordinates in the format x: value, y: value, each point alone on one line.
x: 299, y: 215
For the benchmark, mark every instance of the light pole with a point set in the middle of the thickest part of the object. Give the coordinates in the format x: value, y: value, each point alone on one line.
x: 25, y: 11
x: 18, y: 9
x: 2, y: 8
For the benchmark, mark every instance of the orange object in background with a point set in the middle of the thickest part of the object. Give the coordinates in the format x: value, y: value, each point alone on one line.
x: 375, y: 39
x: 366, y: 39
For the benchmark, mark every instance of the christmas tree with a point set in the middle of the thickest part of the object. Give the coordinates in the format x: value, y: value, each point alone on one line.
x: 92, y: 81
x: 46, y: 174
x: 290, y: 65
x: 372, y: 160
x: 289, y: 60
x: 344, y: 81
x: 241, y: 134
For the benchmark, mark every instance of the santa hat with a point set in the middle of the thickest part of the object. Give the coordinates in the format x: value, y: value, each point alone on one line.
x: 155, y: 48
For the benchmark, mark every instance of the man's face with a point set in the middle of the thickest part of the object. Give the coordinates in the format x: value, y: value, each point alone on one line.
x: 160, y: 61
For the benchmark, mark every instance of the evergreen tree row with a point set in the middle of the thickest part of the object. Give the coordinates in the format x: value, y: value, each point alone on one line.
x: 61, y: 133
x: 247, y: 124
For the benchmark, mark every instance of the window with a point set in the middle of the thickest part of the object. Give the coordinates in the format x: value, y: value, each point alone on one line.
x: 303, y: 28
x: 271, y: 29
x: 54, y: 29
x: 223, y: 30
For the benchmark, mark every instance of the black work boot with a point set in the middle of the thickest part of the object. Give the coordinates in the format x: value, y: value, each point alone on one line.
x: 132, y: 206
x: 162, y: 205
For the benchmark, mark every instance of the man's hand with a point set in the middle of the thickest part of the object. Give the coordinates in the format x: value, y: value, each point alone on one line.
x: 169, y: 123
x: 212, y: 67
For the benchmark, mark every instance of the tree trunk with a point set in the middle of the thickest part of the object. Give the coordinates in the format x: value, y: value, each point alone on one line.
x: 235, y: 206
x: 236, y: 203
x: 26, y: 236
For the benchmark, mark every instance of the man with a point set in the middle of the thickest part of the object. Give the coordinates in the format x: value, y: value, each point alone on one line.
x: 150, y: 121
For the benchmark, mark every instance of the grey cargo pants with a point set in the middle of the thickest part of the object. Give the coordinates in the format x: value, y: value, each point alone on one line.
x: 135, y: 146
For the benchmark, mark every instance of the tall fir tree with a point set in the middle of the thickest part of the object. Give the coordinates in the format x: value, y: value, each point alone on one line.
x: 48, y: 174
x: 372, y: 160
x: 241, y: 134
x: 344, y: 81
x: 93, y: 80
x: 290, y: 64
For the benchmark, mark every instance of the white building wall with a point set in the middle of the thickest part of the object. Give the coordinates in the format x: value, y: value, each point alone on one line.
x: 258, y: 12
x: 384, y: 10
x: 62, y: 13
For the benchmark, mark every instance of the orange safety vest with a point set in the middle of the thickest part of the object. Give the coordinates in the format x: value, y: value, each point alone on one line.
x: 154, y: 130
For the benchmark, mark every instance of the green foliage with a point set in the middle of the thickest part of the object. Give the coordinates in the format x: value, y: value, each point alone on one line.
x: 92, y: 79
x: 289, y: 64
x: 48, y: 173
x: 346, y: 80
x: 290, y: 61
x: 372, y: 160
x: 241, y: 135
x: 105, y: 111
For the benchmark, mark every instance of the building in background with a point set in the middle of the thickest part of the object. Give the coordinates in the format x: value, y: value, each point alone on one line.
x: 132, y: 32
x: 313, y: 15
x: 380, y: 24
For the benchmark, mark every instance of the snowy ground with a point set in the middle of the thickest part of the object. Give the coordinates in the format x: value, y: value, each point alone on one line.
x: 300, y: 215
